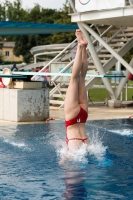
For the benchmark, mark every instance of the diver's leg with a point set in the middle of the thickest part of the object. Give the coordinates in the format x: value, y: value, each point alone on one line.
x: 72, y: 96
x: 83, y: 99
x: 71, y: 99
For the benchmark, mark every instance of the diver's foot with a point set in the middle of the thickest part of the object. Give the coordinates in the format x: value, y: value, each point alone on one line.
x: 81, y: 38
x: 84, y: 38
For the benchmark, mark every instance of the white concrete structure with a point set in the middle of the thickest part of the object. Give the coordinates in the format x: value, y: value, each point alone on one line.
x: 24, y: 105
x: 88, y: 5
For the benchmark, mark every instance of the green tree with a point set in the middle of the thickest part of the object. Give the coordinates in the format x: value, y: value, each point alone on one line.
x: 14, y: 11
x: 35, y: 14
x: 1, y: 45
x: 1, y: 57
x: 128, y: 56
x: 23, y: 43
x: 2, y: 12
x: 63, y: 18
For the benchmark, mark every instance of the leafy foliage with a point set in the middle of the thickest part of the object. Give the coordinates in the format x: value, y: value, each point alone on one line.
x: 128, y: 56
x: 1, y: 45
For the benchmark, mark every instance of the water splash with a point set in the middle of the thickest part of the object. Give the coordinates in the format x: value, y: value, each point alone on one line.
x: 96, y: 147
x: 15, y: 143
x: 123, y: 132
x: 81, y: 155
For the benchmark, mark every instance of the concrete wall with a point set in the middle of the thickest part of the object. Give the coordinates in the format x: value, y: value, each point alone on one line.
x: 22, y: 105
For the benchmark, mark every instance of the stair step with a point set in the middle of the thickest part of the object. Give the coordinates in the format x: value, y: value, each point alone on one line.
x: 104, y: 55
x: 67, y: 83
x: 128, y: 29
x: 58, y: 95
x: 104, y: 50
x: 119, y: 40
x: 102, y: 61
x: 54, y: 107
x: 126, y: 34
x: 63, y: 89
x: 91, y: 67
x: 56, y: 102
x: 116, y: 45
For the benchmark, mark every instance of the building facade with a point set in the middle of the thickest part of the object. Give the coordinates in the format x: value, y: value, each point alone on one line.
x: 7, y: 53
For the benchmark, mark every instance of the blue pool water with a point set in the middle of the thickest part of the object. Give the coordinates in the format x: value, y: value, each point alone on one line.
x: 29, y: 157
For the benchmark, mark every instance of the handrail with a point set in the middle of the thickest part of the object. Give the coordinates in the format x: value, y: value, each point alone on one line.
x: 55, y: 57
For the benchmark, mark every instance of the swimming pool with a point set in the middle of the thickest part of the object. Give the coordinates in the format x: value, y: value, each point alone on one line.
x: 30, y: 154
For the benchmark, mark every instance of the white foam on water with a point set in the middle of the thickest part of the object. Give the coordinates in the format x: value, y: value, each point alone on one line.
x: 96, y: 148
x: 76, y: 156
x: 8, y: 137
x: 124, y: 132
x: 14, y: 143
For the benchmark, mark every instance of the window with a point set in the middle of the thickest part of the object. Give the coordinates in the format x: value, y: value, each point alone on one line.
x: 6, y: 53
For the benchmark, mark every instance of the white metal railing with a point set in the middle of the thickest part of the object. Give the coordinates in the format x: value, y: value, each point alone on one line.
x: 56, y: 58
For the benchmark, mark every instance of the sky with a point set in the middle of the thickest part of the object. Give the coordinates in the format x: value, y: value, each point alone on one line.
x: 53, y: 4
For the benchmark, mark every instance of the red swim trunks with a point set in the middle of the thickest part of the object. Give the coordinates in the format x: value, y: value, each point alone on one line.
x: 80, y: 118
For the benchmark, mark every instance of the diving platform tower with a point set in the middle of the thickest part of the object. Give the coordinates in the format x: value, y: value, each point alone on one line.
x: 108, y: 27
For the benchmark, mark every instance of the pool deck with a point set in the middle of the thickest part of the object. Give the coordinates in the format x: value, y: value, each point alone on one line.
x: 95, y: 113
x: 98, y: 113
